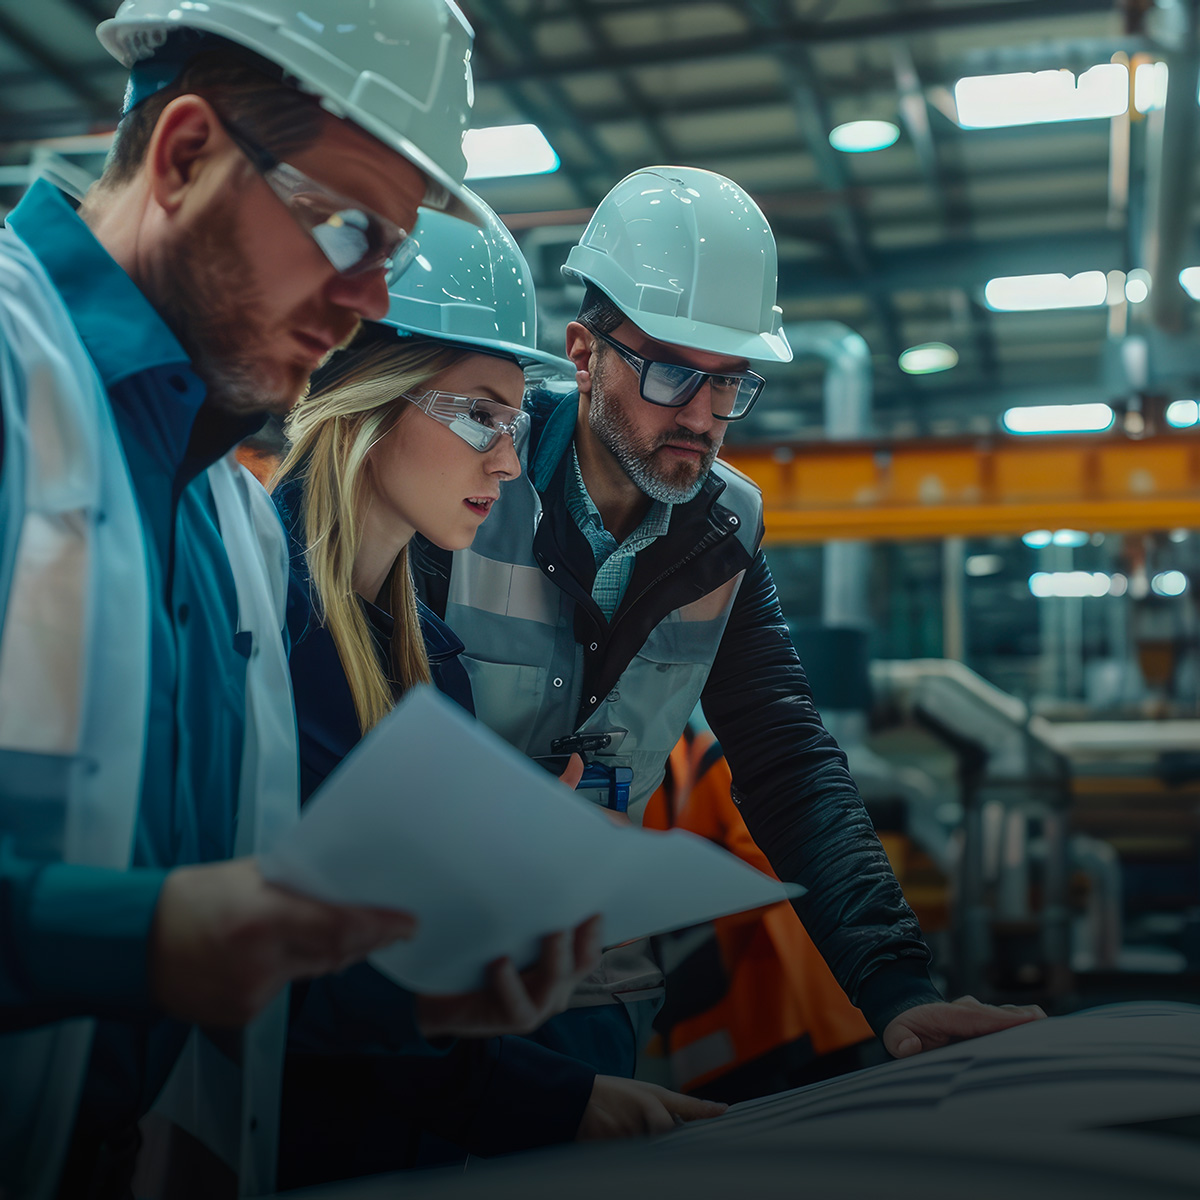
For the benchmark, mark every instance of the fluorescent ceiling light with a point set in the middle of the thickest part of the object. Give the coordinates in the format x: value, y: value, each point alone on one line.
x: 928, y: 358
x: 1038, y: 97
x: 1136, y: 289
x: 1033, y: 293
x: 861, y: 137
x: 1070, y: 537
x: 1150, y: 86
x: 979, y: 566
x: 1169, y: 583
x: 1189, y: 277
x: 1183, y: 413
x: 1059, y: 418
x: 499, y: 151
x: 1039, y: 539
x: 1044, y: 584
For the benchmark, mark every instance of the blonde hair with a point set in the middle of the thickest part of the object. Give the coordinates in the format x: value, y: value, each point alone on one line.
x: 332, y: 430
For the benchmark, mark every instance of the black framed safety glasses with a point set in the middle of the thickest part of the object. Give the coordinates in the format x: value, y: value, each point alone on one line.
x: 671, y: 385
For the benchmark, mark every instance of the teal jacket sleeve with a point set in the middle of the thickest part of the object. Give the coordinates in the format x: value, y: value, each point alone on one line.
x: 73, y: 941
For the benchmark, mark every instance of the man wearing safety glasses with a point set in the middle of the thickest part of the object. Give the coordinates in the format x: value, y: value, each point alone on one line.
x: 636, y: 586
x: 270, y: 159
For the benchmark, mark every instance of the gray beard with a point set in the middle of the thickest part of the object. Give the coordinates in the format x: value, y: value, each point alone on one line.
x: 636, y: 459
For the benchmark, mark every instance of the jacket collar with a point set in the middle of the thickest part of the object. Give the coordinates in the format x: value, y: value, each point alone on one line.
x: 441, y: 642
x: 553, y: 429
x: 121, y: 329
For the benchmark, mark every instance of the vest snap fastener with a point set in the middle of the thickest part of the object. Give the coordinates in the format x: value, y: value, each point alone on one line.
x: 594, y: 645
x: 550, y: 568
x: 733, y: 520
x: 592, y: 700
x: 558, y: 682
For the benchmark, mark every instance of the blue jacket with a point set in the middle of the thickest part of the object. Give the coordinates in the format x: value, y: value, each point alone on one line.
x: 360, y: 1112
x: 74, y: 939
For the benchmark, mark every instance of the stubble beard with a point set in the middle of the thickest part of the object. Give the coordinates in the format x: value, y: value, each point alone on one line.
x: 672, y: 483
x: 214, y: 311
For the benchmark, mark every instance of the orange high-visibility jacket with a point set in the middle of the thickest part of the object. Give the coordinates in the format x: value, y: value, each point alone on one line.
x: 779, y: 986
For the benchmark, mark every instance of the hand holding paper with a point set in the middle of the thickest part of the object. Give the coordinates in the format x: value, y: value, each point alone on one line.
x: 512, y: 1002
x: 434, y: 814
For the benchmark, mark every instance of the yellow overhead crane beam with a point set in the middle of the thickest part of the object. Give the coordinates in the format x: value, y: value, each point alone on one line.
x: 815, y: 491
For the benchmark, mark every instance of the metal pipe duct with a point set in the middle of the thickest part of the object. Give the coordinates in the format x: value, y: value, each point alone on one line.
x: 1173, y: 170
x: 847, y: 394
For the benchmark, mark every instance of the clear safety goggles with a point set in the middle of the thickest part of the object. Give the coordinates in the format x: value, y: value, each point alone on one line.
x: 670, y: 385
x: 478, y: 421
x: 354, y: 238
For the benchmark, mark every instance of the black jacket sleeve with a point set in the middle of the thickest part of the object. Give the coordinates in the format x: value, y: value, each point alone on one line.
x: 802, y: 808
x: 361, y: 1085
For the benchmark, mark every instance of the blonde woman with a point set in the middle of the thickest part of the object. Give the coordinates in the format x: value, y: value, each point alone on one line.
x: 399, y: 435
x: 414, y: 429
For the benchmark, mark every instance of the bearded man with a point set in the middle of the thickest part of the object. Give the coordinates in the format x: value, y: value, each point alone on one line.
x: 271, y: 158
x: 622, y: 580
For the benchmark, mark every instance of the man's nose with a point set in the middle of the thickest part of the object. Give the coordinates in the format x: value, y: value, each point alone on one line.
x: 697, y: 414
x: 365, y: 293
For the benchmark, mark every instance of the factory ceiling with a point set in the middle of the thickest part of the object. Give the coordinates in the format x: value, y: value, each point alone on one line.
x: 898, y: 243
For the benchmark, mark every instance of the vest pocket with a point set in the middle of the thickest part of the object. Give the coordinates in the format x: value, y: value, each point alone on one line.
x: 675, y: 641
x: 507, y: 697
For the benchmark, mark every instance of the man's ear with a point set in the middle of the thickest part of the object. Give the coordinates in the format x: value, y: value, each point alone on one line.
x: 186, y: 140
x: 580, y: 345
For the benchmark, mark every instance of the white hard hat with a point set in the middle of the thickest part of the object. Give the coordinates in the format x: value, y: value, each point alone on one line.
x: 471, y: 286
x: 399, y: 69
x: 689, y: 258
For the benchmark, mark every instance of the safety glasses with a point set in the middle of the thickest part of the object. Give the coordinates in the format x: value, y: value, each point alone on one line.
x: 672, y: 386
x: 351, y: 236
x: 477, y: 421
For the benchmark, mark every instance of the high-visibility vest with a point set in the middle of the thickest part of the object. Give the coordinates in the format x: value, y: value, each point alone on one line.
x: 778, y: 986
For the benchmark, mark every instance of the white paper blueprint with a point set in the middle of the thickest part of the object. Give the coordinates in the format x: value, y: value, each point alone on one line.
x: 434, y: 814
